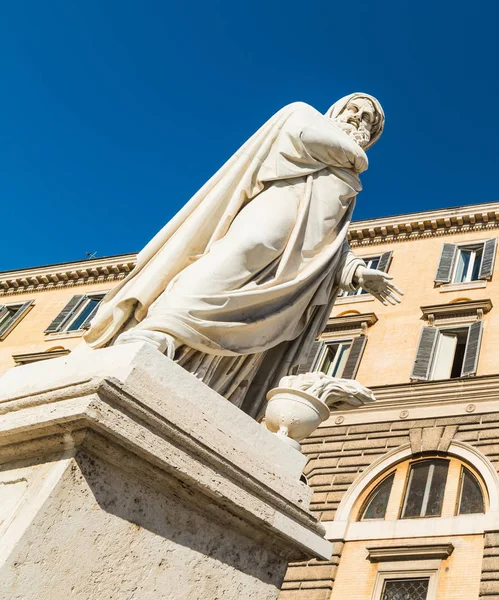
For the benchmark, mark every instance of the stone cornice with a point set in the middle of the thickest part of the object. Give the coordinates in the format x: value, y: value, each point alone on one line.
x: 471, y: 309
x: 427, y: 551
x: 463, y: 389
x: 95, y: 270
x: 351, y: 322
x: 382, y: 230
x: 440, y: 222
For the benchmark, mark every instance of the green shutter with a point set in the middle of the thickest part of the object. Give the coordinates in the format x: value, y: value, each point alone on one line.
x: 424, y: 355
x: 70, y: 308
x: 488, y: 259
x: 354, y: 357
x: 312, y: 356
x: 472, y: 351
x: 446, y: 263
x: 384, y: 261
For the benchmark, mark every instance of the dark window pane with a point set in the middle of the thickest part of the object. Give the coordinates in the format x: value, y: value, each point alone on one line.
x: 378, y: 500
x: 89, y: 306
x: 425, y: 489
x: 477, y: 264
x: 471, y: 500
x: 405, y: 589
x: 437, y: 489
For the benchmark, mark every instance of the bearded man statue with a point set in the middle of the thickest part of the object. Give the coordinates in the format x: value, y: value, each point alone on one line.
x: 237, y: 286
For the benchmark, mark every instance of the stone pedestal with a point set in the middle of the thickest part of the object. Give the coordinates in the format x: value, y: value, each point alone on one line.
x: 125, y: 477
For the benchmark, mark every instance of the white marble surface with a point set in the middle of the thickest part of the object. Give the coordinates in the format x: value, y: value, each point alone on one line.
x: 254, y: 260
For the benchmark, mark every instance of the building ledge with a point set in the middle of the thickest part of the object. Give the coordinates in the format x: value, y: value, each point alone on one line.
x: 445, y: 221
x: 96, y: 270
x: 30, y: 357
x: 470, y: 310
x: 425, y: 552
x: 357, y: 322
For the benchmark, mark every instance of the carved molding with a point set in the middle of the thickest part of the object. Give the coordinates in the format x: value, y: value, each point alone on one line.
x: 97, y: 270
x: 423, y: 552
x: 456, y: 311
x: 351, y: 323
x: 433, y: 223
x: 30, y: 357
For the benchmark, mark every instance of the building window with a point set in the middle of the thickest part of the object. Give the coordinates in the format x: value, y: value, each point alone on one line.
x: 334, y: 357
x: 425, y: 489
x: 430, y: 490
x: 470, y: 494
x: 77, y: 314
x: 10, y: 316
x: 337, y: 358
x: 405, y: 589
x: 377, y: 501
x: 467, y: 262
x: 447, y: 352
x: 381, y: 262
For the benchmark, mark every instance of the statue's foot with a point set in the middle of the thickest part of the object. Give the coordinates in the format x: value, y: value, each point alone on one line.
x: 162, y: 341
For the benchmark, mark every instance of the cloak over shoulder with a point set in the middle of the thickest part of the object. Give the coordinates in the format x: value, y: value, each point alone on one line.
x: 271, y: 154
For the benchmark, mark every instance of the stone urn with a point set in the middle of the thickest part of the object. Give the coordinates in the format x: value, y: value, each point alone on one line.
x: 302, y: 402
x: 294, y: 414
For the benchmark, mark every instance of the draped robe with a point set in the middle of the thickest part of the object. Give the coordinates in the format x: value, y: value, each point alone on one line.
x: 245, y: 275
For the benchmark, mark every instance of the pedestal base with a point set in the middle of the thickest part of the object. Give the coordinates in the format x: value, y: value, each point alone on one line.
x: 125, y: 477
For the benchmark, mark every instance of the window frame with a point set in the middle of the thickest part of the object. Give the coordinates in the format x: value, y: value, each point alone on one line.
x: 407, y: 570
x: 473, y: 248
x: 436, y: 350
x: 22, y: 308
x: 65, y: 326
x: 370, y: 496
x: 63, y: 330
x: 460, y: 486
x: 321, y: 357
x: 407, y: 482
x: 427, y: 347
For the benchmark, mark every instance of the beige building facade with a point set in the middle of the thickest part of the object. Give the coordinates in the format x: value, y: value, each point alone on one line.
x: 407, y: 488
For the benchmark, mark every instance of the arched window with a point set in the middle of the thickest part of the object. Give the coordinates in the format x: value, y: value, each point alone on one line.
x: 423, y: 488
x: 377, y: 501
x: 470, y: 494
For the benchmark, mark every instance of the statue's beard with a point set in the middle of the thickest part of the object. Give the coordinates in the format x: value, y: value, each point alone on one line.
x: 361, y: 135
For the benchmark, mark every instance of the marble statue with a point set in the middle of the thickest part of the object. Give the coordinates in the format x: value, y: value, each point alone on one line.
x: 239, y: 283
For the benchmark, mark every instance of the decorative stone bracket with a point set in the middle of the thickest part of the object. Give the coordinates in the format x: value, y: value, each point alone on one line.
x: 469, y: 311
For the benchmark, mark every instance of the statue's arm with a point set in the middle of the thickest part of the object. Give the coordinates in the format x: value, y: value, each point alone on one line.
x: 345, y: 276
x: 329, y: 145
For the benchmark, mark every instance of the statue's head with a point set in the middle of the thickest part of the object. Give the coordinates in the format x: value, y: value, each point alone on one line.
x: 360, y: 116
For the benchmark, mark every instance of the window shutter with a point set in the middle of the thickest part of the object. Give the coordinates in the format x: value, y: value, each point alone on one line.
x: 11, y: 323
x: 447, y: 258
x: 424, y: 355
x: 384, y: 261
x: 488, y: 259
x: 472, y: 349
x: 65, y: 313
x: 316, y: 349
x: 354, y: 357
x: 86, y: 322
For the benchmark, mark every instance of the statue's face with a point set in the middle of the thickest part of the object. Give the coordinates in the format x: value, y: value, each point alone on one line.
x: 357, y: 120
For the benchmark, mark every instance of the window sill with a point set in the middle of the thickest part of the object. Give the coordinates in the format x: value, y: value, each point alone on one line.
x: 352, y: 299
x: 64, y: 335
x: 456, y: 287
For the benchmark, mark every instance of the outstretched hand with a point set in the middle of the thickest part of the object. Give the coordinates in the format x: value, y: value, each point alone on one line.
x: 378, y: 284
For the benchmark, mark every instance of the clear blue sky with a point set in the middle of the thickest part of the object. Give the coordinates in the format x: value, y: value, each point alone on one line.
x: 112, y: 114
